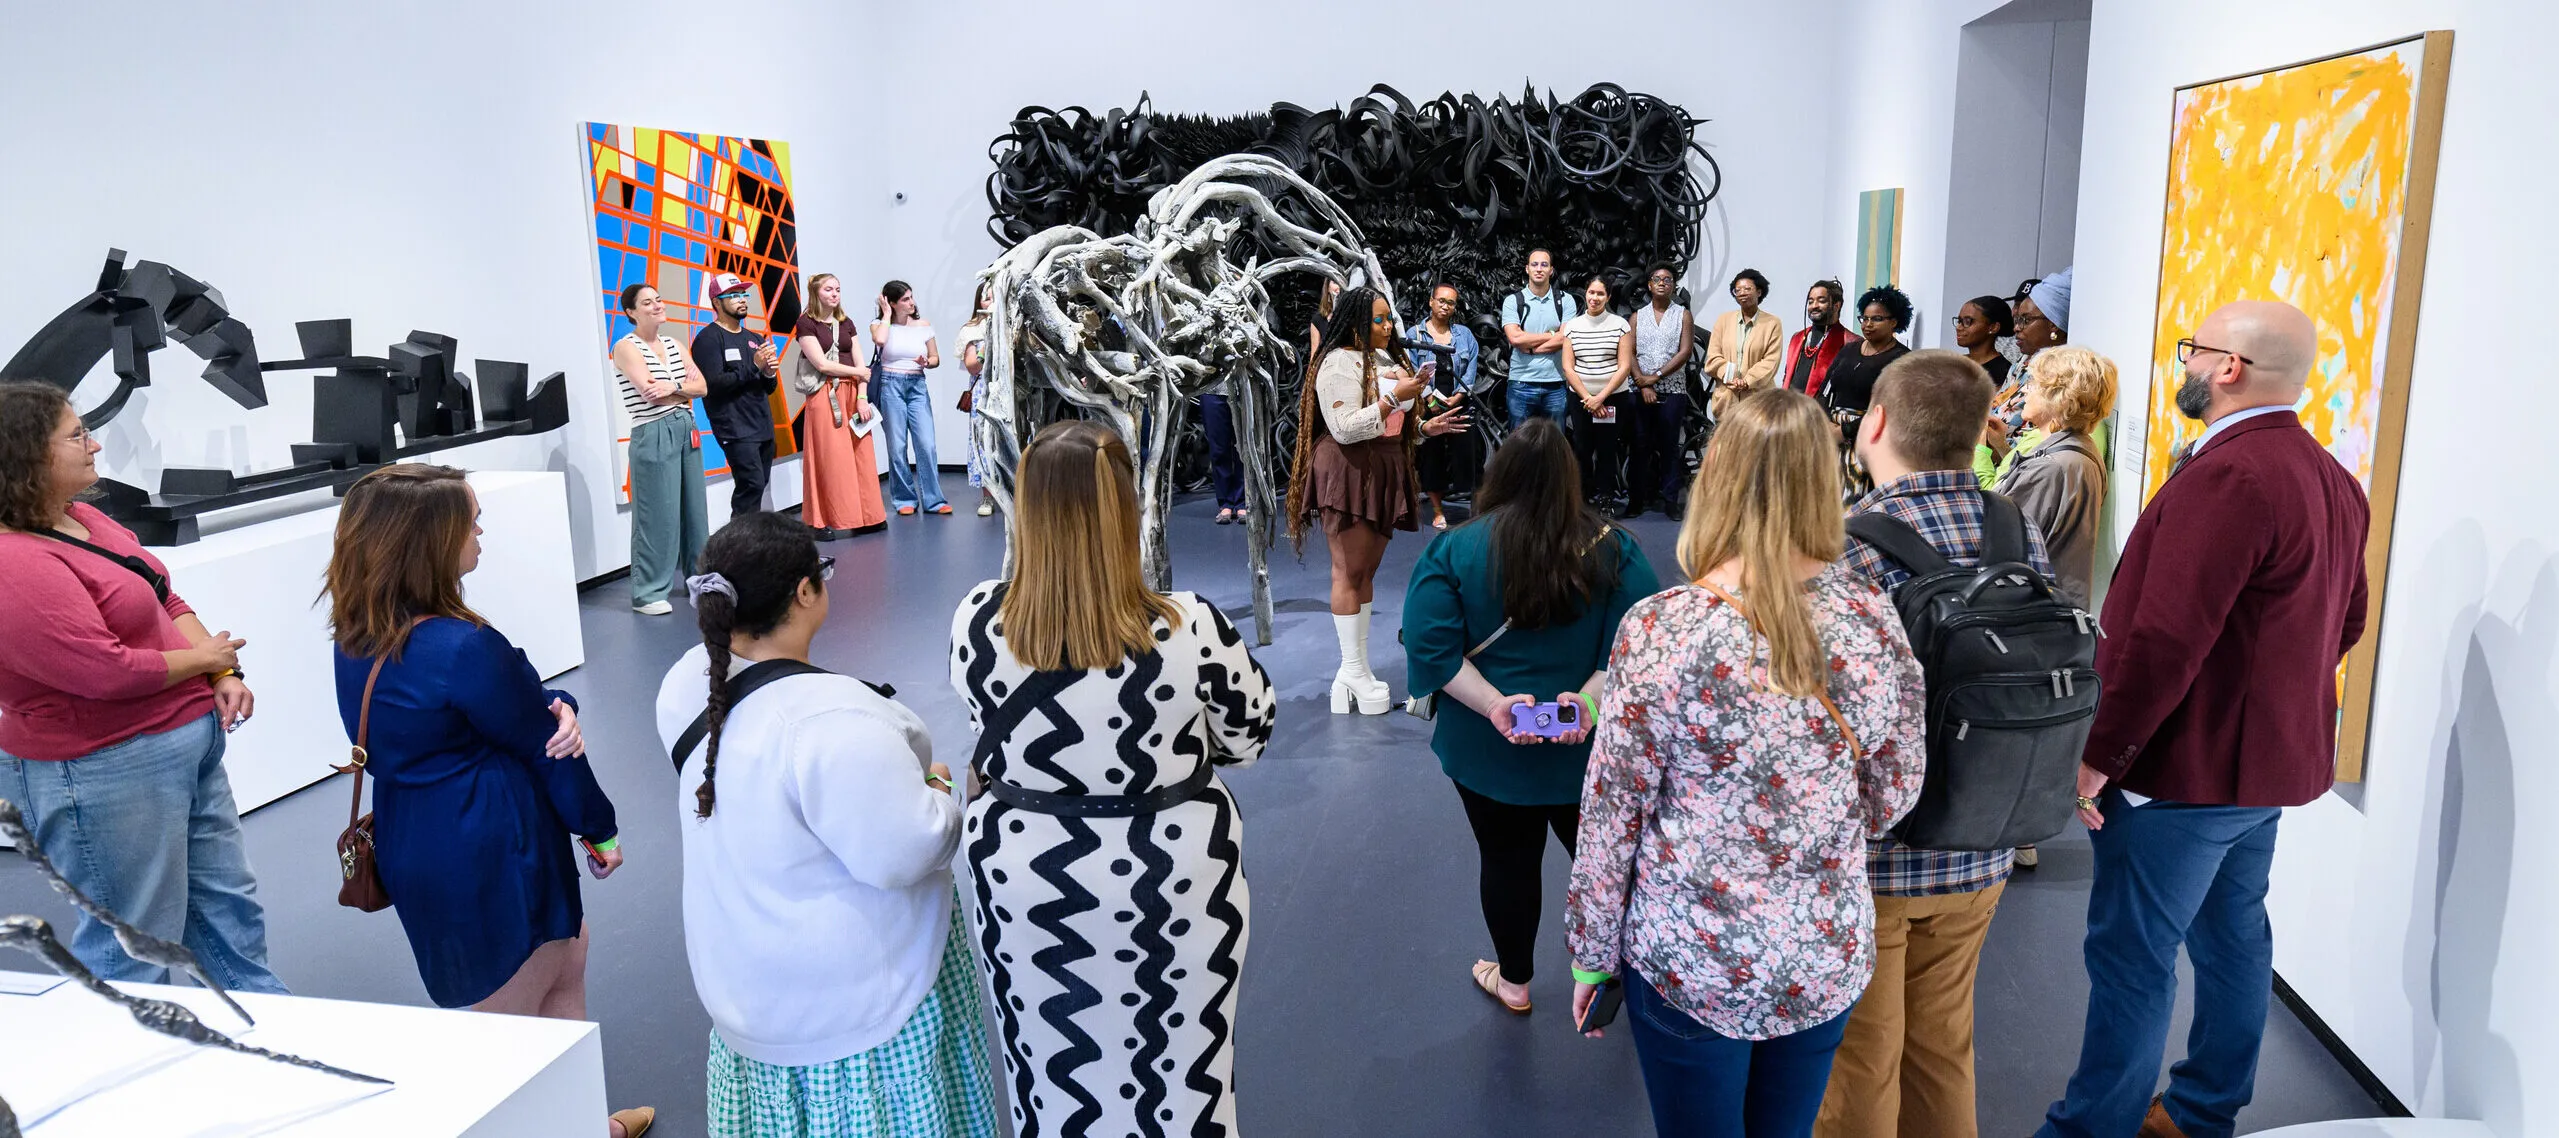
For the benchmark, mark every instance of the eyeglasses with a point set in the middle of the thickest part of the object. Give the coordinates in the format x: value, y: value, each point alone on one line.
x: 78, y: 437
x: 825, y: 568
x: 1966, y: 321
x: 2187, y: 348
x: 1875, y: 318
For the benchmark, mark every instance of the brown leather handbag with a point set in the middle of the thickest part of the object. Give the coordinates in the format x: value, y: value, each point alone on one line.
x: 359, y: 883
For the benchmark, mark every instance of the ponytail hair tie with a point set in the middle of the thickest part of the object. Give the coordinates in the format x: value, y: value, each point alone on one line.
x: 694, y: 587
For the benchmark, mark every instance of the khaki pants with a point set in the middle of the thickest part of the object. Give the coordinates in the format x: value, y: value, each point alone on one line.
x: 1906, y: 1067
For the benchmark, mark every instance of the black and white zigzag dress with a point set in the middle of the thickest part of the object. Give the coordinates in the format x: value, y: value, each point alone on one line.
x: 1115, y: 944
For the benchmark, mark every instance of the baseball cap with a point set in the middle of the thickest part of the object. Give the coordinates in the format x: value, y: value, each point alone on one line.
x: 727, y: 283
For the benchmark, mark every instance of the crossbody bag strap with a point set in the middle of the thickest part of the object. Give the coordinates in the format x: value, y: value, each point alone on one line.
x: 742, y: 685
x: 1855, y: 749
x: 358, y: 758
x: 140, y: 568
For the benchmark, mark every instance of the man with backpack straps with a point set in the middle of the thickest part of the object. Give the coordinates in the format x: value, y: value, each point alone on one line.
x: 1533, y: 321
x: 1906, y: 1065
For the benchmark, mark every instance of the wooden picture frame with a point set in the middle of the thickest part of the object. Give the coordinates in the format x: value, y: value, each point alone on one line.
x: 2313, y: 183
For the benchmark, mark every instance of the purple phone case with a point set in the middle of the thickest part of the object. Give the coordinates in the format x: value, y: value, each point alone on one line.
x: 1546, y: 720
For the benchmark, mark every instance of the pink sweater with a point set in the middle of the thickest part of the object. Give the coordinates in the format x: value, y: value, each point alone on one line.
x: 83, y: 669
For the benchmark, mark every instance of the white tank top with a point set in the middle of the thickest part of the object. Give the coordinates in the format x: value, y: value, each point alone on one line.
x: 905, y: 350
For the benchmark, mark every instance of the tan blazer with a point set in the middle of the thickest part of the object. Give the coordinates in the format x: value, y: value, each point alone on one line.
x: 1745, y: 363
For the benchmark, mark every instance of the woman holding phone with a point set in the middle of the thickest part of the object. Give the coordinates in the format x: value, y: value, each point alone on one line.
x: 1518, y: 607
x: 1761, y: 724
x: 1354, y: 471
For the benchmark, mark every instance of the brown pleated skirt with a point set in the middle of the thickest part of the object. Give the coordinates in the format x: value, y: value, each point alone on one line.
x: 1366, y: 483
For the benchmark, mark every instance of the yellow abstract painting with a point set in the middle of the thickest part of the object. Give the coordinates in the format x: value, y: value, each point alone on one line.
x: 2312, y: 184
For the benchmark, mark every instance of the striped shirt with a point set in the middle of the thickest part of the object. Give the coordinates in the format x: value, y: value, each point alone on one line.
x: 666, y: 365
x: 1595, y: 340
x: 1945, y: 507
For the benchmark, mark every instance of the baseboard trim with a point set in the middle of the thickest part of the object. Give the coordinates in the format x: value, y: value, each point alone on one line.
x: 2381, y: 1094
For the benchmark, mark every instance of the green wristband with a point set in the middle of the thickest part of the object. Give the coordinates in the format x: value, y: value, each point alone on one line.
x: 608, y: 845
x: 1592, y: 978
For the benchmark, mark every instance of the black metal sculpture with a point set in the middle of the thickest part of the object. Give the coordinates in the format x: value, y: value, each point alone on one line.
x: 1456, y: 189
x: 369, y: 410
x: 136, y: 943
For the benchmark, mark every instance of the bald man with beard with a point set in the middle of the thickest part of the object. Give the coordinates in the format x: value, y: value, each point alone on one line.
x: 2238, y: 592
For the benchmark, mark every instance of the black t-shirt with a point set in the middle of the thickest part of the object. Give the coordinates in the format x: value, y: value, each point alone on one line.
x: 1998, y: 369
x: 737, y: 399
x: 1850, y: 383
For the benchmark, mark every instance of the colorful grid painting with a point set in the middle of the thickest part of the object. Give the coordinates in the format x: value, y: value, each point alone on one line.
x: 2313, y: 184
x: 673, y: 210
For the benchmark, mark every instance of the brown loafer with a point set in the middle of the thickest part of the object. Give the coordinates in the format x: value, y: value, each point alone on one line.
x: 2157, y: 1124
x: 636, y: 1121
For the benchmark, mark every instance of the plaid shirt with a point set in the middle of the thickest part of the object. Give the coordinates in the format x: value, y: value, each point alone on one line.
x: 1945, y: 507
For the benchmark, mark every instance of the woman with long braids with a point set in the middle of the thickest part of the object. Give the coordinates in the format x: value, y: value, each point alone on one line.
x: 818, y: 897
x: 1354, y: 471
x: 1106, y: 855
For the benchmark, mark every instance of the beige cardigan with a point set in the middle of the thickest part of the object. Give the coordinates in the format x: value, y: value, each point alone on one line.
x: 1750, y: 363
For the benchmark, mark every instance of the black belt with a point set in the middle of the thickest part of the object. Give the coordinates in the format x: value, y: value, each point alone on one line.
x: 1155, y: 801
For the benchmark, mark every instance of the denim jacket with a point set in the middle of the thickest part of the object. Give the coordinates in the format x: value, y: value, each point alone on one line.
x: 1458, y: 373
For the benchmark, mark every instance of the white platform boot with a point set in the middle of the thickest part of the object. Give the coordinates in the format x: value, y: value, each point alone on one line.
x: 1376, y: 685
x: 1353, y: 685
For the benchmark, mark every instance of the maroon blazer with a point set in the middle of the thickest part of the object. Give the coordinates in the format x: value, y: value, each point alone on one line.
x: 2241, y: 588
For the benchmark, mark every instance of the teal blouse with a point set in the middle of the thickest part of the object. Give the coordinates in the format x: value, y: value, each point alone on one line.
x: 1453, y: 602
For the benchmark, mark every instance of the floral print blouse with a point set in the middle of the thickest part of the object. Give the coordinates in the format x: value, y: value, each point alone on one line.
x: 1722, y: 850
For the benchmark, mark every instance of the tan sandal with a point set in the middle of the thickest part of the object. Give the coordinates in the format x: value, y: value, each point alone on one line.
x: 635, y: 1121
x: 1488, y: 976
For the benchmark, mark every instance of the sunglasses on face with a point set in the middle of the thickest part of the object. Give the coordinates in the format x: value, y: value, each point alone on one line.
x: 825, y: 568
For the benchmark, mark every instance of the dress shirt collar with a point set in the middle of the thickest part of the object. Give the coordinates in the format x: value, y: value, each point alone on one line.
x: 2233, y: 419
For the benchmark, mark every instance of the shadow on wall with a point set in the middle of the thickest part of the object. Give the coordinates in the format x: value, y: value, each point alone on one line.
x: 2493, y: 696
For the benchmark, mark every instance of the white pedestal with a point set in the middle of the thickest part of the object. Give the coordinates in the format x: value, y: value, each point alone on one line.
x: 262, y: 583
x: 80, y: 1067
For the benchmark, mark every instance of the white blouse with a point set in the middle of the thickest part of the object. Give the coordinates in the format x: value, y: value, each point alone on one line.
x: 1350, y: 415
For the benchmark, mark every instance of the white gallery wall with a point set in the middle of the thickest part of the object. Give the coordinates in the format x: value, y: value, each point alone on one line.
x: 2415, y: 912
x: 406, y: 166
x: 957, y: 73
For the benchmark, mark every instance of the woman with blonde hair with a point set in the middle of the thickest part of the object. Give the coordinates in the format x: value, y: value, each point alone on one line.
x: 2057, y: 476
x: 1760, y: 724
x: 481, y: 787
x: 1353, y: 474
x: 1103, y: 709
x: 839, y: 475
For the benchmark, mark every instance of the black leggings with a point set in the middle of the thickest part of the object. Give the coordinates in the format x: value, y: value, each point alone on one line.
x: 1511, y: 841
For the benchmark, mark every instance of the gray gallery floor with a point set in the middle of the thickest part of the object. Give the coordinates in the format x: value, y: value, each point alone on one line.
x: 1358, y: 1017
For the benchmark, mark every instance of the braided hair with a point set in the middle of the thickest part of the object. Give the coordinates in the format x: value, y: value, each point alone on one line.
x: 764, y: 557
x: 1348, y: 328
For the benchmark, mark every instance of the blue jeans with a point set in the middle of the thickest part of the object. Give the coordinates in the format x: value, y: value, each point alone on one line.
x: 1225, y: 467
x: 906, y: 413
x: 2169, y: 873
x: 146, y: 828
x: 1548, y: 399
x: 1703, y: 1082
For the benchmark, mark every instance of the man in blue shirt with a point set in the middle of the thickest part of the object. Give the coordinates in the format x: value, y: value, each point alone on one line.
x: 1533, y: 320
x: 738, y: 372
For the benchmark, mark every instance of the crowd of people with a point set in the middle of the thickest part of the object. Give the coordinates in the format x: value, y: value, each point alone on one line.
x: 1723, y: 760
x: 850, y: 385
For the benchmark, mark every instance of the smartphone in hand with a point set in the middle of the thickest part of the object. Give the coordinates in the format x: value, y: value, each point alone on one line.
x: 1547, y: 720
x: 1604, y: 1005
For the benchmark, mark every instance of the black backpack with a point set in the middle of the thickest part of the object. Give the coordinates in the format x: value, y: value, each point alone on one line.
x: 2012, y: 685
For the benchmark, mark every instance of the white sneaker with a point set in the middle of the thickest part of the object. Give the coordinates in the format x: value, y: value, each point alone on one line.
x: 985, y: 507
x: 653, y: 608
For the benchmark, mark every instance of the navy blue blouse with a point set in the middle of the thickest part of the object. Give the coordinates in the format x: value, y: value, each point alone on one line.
x: 471, y: 821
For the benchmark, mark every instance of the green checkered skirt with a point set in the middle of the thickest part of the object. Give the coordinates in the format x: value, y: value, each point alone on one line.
x: 930, y: 1080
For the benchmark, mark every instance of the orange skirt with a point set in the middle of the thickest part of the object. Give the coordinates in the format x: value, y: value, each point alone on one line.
x: 839, y: 476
